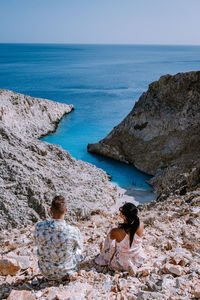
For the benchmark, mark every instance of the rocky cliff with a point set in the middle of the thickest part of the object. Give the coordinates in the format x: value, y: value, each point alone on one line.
x: 32, y: 172
x: 28, y: 116
x: 160, y: 136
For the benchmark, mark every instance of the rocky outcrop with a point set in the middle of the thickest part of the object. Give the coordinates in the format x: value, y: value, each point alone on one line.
x: 28, y: 116
x: 32, y: 172
x: 160, y: 136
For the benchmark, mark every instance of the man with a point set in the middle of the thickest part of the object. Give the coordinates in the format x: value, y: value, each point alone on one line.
x: 59, y: 244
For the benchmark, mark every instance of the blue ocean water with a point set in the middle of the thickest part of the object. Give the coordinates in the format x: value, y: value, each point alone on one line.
x: 102, y: 81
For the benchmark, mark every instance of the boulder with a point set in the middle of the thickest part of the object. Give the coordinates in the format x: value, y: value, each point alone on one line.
x: 173, y: 269
x: 142, y: 295
x: 21, y: 295
x: 64, y: 295
x: 9, y: 266
x: 23, y: 261
x: 77, y: 292
x: 12, y: 263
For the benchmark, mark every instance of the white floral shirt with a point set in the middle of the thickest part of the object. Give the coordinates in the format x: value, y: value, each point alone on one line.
x: 59, y: 248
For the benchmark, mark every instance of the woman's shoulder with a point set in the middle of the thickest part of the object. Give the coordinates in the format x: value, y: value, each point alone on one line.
x: 117, y: 234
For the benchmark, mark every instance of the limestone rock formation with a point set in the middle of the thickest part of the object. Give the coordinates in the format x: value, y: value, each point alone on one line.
x: 160, y: 136
x: 31, y: 117
x: 32, y: 172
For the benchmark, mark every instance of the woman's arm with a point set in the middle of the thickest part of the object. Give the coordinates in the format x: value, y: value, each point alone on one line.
x: 140, y: 230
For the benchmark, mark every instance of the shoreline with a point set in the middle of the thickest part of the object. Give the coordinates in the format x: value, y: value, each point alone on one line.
x: 132, y: 195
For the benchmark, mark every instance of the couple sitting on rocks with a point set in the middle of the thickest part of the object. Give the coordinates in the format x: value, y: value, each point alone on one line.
x: 60, y: 244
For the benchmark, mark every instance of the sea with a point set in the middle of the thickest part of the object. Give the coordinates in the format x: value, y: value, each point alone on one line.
x: 103, y: 82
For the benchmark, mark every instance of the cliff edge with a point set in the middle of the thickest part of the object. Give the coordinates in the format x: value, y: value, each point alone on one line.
x: 29, y: 116
x: 160, y: 136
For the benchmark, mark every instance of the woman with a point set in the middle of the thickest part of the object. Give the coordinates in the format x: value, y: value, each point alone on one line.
x: 122, y: 248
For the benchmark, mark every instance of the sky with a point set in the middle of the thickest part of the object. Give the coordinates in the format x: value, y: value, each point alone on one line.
x: 100, y: 21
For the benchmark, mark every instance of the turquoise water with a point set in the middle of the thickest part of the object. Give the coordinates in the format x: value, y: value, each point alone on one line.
x: 101, y: 81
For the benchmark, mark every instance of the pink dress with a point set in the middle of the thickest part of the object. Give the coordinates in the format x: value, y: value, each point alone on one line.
x: 120, y: 256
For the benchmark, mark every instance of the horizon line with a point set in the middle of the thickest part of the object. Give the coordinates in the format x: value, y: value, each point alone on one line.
x: 103, y: 44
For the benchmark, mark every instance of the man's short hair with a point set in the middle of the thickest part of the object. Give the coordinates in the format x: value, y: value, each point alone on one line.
x: 58, y: 205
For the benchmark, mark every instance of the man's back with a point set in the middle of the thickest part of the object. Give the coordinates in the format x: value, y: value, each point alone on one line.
x: 59, y: 246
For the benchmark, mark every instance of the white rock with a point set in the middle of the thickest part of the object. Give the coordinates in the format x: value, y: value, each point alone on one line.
x: 173, y: 269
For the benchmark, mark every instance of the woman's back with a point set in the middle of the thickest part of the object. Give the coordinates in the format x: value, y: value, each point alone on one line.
x: 119, y: 234
x: 117, y: 252
x: 123, y: 245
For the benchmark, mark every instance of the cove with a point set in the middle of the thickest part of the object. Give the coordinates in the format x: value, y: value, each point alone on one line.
x: 125, y: 176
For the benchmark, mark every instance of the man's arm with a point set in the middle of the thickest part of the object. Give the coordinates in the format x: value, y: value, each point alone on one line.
x: 78, y: 241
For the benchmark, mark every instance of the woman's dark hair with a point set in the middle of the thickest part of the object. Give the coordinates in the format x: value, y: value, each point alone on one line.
x: 130, y: 211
